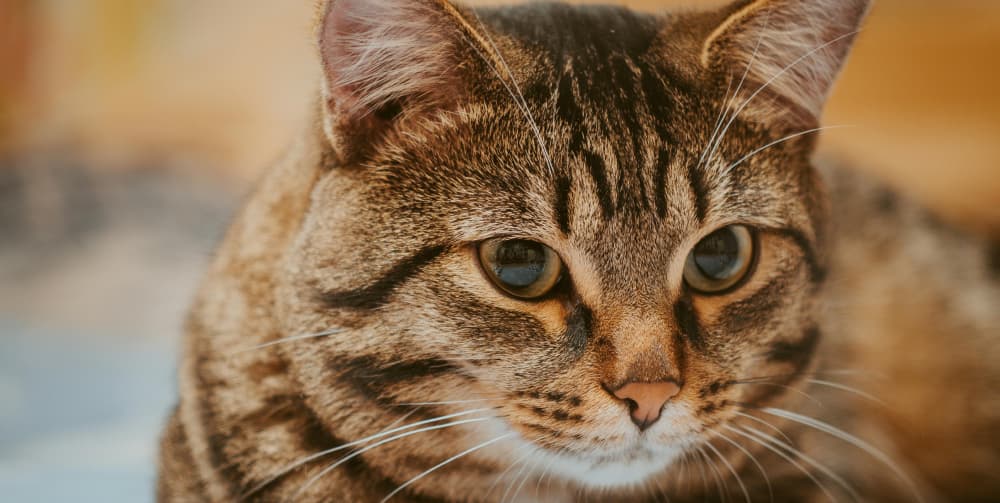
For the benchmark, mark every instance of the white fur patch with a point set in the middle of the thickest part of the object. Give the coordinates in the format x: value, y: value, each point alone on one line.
x: 634, y: 462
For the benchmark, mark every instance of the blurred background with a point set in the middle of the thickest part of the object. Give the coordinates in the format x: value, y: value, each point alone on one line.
x: 130, y: 129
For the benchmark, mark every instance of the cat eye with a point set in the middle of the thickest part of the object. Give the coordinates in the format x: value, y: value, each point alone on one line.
x: 720, y: 260
x: 524, y: 269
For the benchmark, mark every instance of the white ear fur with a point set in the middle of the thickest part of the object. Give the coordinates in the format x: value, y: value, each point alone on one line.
x: 375, y: 52
x: 794, y: 47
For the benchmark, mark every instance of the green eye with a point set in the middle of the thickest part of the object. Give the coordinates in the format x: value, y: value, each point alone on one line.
x: 524, y: 269
x: 720, y: 260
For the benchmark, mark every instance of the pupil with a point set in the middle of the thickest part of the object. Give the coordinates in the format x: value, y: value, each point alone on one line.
x: 717, y: 255
x: 519, y: 263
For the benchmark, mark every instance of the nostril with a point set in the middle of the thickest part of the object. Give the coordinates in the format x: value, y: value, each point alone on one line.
x: 645, y: 400
x: 632, y: 404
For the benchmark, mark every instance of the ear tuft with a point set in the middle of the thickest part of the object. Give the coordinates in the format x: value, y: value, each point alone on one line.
x: 794, y: 47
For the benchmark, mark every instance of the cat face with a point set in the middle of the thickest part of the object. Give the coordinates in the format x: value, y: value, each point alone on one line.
x: 592, y: 234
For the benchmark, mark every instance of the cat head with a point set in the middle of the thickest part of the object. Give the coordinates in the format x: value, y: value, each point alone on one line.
x: 597, y: 228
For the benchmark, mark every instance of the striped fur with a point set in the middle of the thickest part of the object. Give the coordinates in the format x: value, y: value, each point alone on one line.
x: 347, y: 301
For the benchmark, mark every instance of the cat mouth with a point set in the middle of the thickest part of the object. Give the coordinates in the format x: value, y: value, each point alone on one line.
x: 629, y: 463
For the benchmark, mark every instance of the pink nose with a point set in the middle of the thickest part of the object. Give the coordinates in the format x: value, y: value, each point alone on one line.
x: 646, y: 399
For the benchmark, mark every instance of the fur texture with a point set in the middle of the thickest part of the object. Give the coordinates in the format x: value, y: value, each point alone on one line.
x: 347, y: 310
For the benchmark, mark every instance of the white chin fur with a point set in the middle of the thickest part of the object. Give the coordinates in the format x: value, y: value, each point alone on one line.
x: 621, y: 465
x: 612, y: 472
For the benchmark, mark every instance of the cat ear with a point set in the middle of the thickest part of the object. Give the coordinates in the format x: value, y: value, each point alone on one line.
x: 795, y: 48
x: 384, y: 60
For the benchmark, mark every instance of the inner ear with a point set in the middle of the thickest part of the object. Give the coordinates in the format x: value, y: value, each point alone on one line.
x: 790, y: 50
x: 389, y: 60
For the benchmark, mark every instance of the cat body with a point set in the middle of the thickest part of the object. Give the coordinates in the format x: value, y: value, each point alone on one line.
x: 352, y: 340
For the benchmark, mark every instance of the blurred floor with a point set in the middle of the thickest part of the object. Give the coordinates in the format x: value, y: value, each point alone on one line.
x: 96, y: 271
x: 79, y: 412
x: 130, y: 128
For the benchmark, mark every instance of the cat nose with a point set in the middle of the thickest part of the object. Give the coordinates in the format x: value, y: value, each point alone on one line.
x: 646, y: 400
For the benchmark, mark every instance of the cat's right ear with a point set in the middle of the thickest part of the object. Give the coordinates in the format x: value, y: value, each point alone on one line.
x: 385, y: 61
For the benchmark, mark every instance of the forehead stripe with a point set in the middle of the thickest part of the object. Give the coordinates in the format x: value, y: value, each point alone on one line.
x: 598, y: 172
x: 697, y: 179
x: 562, y: 203
x: 663, y: 159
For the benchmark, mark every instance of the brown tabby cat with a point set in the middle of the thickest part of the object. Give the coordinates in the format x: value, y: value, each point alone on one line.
x: 556, y: 253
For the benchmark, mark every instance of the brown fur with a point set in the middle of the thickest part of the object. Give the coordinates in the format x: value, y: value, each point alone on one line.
x: 368, y: 229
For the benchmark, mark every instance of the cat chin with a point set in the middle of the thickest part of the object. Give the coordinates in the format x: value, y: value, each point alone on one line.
x: 631, y: 469
x: 630, y: 464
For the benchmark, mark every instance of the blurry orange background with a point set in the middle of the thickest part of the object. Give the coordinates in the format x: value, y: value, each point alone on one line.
x: 129, y: 129
x: 225, y: 84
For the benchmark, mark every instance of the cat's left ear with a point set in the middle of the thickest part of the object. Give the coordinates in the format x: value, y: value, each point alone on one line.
x: 792, y: 50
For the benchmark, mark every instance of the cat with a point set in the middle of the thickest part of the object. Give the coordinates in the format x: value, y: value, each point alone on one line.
x: 579, y: 253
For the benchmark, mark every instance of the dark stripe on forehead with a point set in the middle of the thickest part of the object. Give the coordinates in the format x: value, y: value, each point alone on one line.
x: 698, y: 188
x: 598, y: 173
x: 663, y: 159
x: 377, y: 294
x: 562, y: 203
x: 569, y: 111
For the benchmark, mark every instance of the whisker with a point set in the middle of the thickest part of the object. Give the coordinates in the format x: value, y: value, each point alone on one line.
x: 367, y: 448
x: 504, y: 473
x: 443, y: 463
x: 844, y: 387
x: 524, y: 480
x: 348, y: 445
x: 778, y: 142
x: 723, y: 496
x: 760, y: 468
x: 545, y: 472
x: 765, y: 423
x: 732, y: 470
x: 701, y: 469
x: 679, y: 474
x: 519, y: 97
x: 517, y: 477
x: 445, y: 402
x: 779, y: 385
x: 815, y: 373
x: 784, y: 456
x: 714, y: 139
x: 812, y: 462
x: 524, y: 103
x: 770, y: 81
x: 722, y: 117
x: 289, y: 339
x: 658, y: 491
x: 850, y: 439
